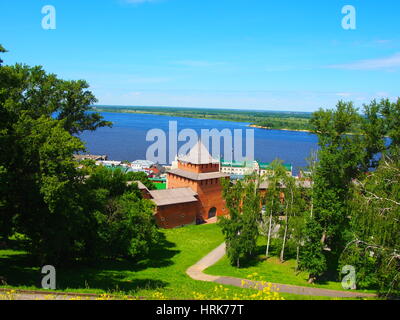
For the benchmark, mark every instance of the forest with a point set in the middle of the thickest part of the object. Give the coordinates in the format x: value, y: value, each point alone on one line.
x: 347, y: 217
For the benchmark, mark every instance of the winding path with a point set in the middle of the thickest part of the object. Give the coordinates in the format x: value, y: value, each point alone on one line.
x: 196, y: 273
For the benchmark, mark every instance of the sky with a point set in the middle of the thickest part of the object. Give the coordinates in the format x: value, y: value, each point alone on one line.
x: 291, y: 55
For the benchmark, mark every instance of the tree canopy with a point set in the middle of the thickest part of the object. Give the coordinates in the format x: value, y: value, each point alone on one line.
x: 67, y: 211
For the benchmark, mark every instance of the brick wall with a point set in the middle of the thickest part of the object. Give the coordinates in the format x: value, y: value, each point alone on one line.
x: 176, y: 215
x: 209, y: 193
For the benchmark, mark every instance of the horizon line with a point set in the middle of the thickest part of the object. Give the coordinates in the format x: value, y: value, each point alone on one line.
x: 200, y: 108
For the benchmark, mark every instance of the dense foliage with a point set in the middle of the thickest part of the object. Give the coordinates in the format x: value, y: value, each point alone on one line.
x: 240, y: 229
x: 353, y: 194
x: 348, y: 214
x: 254, y: 212
x: 67, y: 212
x: 375, y: 207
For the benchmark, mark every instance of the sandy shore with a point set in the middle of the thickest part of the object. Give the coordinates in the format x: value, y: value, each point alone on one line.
x: 283, y: 129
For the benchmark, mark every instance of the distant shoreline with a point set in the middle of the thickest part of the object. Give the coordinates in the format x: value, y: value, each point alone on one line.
x: 282, y: 129
x: 204, y: 116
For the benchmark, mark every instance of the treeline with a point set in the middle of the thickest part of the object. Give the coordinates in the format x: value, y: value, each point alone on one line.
x: 267, y: 119
x: 350, y: 213
x: 66, y: 211
x: 284, y: 123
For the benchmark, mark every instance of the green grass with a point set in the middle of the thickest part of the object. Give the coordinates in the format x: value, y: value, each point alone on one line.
x: 160, y: 186
x: 272, y: 270
x: 163, y: 272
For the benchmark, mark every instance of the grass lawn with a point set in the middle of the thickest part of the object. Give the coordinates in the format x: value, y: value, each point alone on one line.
x: 271, y: 270
x: 160, y: 186
x: 164, y: 271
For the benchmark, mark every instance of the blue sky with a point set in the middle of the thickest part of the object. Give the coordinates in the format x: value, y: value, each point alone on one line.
x: 254, y: 54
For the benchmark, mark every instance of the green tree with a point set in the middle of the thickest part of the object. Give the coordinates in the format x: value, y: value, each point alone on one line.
x: 2, y: 50
x: 251, y: 215
x: 375, y: 212
x: 67, y: 212
x: 312, y: 256
x: 294, y: 207
x: 340, y: 156
x: 241, y: 228
x: 232, y: 226
x: 143, y: 178
x: 272, y: 201
x: 36, y: 93
x: 390, y: 111
x: 124, y: 220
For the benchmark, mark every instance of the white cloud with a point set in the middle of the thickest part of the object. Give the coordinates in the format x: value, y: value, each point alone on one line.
x: 138, y: 1
x: 197, y: 63
x: 382, y: 41
x: 344, y: 94
x: 389, y: 64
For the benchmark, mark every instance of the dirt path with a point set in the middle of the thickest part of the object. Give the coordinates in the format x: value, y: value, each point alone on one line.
x: 196, y: 273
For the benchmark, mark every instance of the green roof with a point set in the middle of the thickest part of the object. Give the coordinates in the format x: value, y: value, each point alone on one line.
x: 236, y: 164
x: 113, y: 168
x: 267, y: 166
x: 160, y: 186
x: 158, y: 179
x: 263, y: 165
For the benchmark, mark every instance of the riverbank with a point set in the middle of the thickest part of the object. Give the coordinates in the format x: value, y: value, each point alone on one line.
x: 276, y: 120
x: 282, y: 129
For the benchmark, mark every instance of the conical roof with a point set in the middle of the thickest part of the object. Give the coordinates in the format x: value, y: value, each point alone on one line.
x: 198, y: 155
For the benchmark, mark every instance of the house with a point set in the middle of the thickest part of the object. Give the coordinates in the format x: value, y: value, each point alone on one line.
x: 243, y: 168
x: 194, y: 191
x: 141, y: 164
x: 80, y: 157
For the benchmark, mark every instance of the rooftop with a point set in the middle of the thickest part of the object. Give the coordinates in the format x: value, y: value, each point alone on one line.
x: 306, y: 184
x: 198, y: 155
x: 143, y: 163
x: 267, y: 166
x: 244, y: 164
x: 237, y: 164
x: 197, y: 176
x: 140, y: 185
x: 173, y: 196
x: 80, y: 157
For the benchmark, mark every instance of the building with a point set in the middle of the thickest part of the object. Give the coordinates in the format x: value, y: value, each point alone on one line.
x: 240, y: 169
x: 142, y: 164
x: 109, y: 163
x: 80, y: 157
x: 194, y: 191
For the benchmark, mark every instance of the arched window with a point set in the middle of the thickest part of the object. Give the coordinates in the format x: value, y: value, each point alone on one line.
x: 212, y: 212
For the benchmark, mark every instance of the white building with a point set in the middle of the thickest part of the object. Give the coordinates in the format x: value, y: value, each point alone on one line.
x: 142, y: 164
x: 109, y: 163
x: 243, y: 168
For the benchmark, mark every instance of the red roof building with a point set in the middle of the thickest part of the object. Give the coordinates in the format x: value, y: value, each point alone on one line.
x: 194, y: 191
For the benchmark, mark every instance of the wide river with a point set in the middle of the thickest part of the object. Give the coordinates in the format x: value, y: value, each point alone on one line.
x: 126, y: 140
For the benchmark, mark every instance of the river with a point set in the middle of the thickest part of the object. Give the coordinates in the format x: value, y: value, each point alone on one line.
x: 126, y: 140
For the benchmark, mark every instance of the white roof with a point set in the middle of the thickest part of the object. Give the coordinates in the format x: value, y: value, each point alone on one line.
x: 198, y: 155
x: 145, y: 163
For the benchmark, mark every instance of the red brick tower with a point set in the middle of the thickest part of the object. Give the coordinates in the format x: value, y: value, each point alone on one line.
x: 199, y: 171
